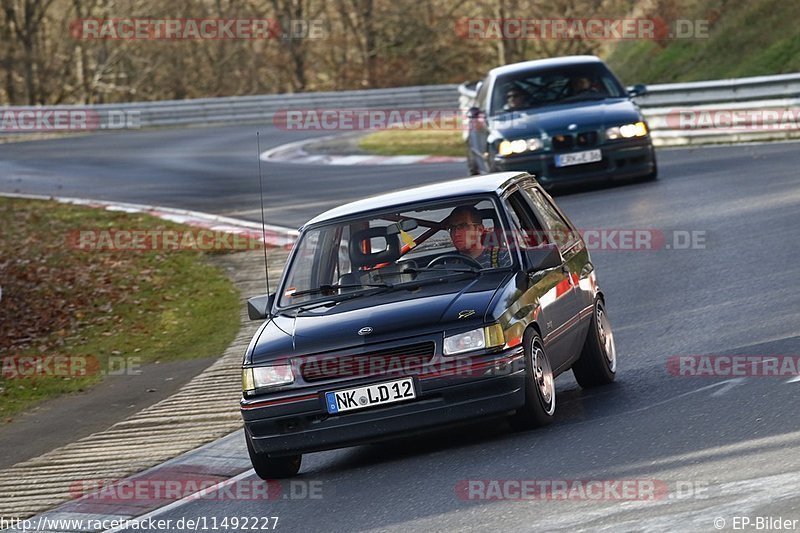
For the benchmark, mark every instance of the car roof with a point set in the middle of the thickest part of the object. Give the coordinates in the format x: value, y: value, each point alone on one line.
x: 543, y: 63
x: 488, y: 183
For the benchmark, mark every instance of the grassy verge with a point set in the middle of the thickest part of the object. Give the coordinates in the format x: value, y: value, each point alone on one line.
x: 743, y: 39
x: 414, y: 142
x: 100, y: 311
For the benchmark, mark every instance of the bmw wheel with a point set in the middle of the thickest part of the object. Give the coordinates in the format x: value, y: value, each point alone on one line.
x: 653, y: 175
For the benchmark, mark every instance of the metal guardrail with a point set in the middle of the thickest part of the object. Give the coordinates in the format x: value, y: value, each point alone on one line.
x: 716, y: 91
x: 777, y: 93
x: 260, y: 108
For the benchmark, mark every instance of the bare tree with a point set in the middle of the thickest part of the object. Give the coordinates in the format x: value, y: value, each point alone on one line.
x: 369, y: 43
x: 24, y: 19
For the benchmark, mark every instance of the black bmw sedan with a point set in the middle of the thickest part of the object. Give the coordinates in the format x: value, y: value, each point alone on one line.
x: 566, y: 120
x: 420, y: 308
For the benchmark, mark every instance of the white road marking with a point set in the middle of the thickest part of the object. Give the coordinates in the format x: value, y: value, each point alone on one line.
x: 679, y: 396
x: 186, y: 499
x: 728, y: 384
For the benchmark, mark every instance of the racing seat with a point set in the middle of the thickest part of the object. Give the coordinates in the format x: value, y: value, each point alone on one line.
x: 363, y: 259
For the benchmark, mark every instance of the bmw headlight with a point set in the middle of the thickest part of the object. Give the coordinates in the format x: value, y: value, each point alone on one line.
x: 476, y: 339
x: 519, y: 146
x: 627, y: 131
x: 261, y: 377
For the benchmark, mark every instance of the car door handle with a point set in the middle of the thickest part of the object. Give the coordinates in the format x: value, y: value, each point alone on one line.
x: 565, y: 269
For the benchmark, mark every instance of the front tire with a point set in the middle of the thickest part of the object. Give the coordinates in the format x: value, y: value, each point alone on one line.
x: 653, y: 175
x: 597, y: 364
x: 540, y: 390
x: 267, y: 467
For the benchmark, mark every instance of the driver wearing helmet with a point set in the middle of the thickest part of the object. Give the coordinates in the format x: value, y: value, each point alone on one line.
x: 515, y: 99
x: 469, y: 237
x: 582, y: 85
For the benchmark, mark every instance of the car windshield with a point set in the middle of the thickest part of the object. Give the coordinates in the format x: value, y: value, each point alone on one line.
x: 390, y: 249
x: 538, y: 87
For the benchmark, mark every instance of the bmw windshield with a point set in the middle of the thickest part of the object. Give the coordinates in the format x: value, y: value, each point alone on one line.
x: 383, y: 250
x: 552, y: 86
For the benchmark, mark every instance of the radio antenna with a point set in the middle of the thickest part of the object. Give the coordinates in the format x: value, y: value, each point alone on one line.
x: 263, y: 224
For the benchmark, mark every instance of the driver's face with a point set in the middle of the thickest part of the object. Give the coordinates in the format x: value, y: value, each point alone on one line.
x: 581, y: 84
x: 515, y: 99
x: 466, y: 235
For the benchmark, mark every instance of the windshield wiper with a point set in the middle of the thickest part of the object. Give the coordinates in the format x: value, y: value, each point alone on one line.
x: 329, y: 290
x: 444, y: 275
x: 444, y: 268
x: 584, y: 96
x: 335, y: 299
x: 447, y: 272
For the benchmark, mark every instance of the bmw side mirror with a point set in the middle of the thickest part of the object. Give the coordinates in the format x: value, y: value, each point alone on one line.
x: 542, y: 257
x: 259, y: 307
x: 640, y: 89
x: 474, y: 113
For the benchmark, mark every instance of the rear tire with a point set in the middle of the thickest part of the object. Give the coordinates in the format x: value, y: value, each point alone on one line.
x: 540, y: 390
x: 597, y: 364
x: 267, y: 467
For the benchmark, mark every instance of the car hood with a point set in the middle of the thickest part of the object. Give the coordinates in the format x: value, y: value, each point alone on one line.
x: 586, y: 115
x: 394, y: 315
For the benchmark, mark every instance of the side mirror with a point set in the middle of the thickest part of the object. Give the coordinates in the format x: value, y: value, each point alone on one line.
x: 474, y: 113
x: 543, y: 257
x: 640, y: 89
x: 259, y: 307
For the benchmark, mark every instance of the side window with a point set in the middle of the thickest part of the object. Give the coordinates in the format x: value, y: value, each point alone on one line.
x: 557, y: 228
x: 528, y: 232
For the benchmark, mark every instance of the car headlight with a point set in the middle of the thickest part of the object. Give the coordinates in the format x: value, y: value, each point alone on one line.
x: 518, y: 146
x: 261, y: 377
x: 475, y: 339
x: 627, y: 131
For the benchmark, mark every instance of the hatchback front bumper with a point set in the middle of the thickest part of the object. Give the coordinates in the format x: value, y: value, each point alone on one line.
x: 297, y: 423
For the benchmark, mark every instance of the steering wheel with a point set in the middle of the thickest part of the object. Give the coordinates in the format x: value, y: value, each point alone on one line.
x: 457, y: 258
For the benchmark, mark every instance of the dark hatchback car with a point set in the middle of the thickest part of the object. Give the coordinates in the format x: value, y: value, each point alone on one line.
x: 566, y: 120
x: 416, y: 309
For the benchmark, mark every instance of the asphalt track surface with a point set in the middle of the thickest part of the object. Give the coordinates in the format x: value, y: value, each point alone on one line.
x: 725, y: 447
